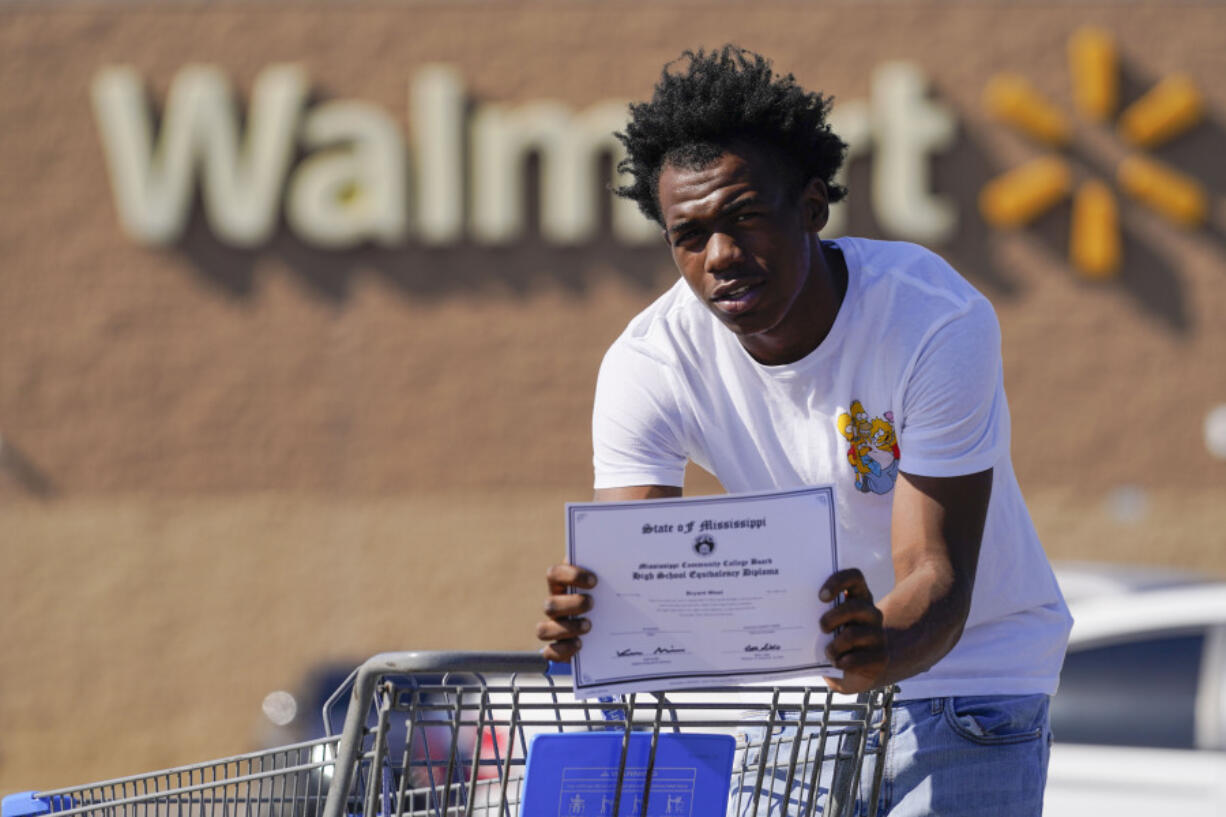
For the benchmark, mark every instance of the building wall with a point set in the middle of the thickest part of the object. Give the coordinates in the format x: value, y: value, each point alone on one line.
x: 222, y: 465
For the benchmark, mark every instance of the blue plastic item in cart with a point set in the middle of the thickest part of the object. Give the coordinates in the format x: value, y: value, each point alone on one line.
x: 575, y: 775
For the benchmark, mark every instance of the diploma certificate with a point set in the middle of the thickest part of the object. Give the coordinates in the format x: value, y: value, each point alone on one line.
x: 703, y: 591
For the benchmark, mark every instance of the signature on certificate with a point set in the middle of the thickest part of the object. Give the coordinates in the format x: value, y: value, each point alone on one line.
x: 630, y: 652
x: 767, y: 647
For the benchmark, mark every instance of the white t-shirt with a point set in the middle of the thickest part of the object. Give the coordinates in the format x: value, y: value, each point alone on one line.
x: 909, y: 376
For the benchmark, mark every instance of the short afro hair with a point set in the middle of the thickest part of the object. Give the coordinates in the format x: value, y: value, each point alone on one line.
x: 723, y: 97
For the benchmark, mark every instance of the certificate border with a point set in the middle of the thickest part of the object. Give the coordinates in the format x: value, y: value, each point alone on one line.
x: 573, y: 508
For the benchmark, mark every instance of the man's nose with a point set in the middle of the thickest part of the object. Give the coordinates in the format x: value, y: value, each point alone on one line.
x: 723, y: 253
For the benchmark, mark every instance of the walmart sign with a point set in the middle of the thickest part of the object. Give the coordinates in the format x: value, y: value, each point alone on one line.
x: 455, y: 173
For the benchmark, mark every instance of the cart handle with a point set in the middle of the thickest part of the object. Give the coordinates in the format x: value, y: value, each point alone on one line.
x: 29, y: 804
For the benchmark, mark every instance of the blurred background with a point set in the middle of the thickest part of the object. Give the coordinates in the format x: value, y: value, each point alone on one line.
x: 301, y: 307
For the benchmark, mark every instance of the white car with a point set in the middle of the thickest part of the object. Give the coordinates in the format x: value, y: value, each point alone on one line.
x: 1140, y: 719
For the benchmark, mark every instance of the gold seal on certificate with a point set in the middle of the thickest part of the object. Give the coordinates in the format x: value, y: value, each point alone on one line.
x: 703, y: 591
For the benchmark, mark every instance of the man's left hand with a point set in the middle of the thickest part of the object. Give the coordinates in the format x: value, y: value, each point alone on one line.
x: 858, y: 646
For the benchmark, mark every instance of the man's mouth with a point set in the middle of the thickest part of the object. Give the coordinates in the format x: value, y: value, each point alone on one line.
x: 738, y: 296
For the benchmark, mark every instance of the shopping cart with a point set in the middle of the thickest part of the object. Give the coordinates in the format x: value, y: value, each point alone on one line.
x: 445, y: 734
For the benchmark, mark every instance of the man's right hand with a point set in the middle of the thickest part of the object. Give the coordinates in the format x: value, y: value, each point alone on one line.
x: 564, y: 622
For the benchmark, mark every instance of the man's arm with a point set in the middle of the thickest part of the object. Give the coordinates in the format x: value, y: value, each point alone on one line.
x: 937, y: 526
x: 564, y: 622
x: 633, y: 492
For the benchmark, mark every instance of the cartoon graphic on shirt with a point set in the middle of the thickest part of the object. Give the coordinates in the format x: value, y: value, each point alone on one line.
x: 873, y: 454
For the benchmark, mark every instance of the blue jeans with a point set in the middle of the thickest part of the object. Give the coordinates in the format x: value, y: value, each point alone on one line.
x: 967, y: 756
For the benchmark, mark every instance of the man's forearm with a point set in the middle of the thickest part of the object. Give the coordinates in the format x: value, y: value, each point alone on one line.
x: 937, y: 526
x: 923, y: 617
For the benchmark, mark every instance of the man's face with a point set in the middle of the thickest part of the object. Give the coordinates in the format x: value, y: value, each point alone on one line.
x: 743, y: 239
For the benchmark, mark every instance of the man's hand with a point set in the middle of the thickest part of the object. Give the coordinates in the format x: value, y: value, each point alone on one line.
x: 858, y: 647
x: 564, y: 622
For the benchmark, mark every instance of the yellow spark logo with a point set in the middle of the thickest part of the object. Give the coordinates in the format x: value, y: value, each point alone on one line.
x: 1164, y: 112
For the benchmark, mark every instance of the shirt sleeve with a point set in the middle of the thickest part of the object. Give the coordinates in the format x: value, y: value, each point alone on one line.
x: 634, y: 423
x: 955, y: 417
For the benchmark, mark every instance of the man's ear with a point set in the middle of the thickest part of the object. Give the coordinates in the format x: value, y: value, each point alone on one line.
x: 816, y: 205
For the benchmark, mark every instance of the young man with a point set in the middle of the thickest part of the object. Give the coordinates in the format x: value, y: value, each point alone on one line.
x: 781, y: 360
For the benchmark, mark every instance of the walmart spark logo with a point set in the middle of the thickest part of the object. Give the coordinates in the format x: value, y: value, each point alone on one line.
x: 1164, y: 112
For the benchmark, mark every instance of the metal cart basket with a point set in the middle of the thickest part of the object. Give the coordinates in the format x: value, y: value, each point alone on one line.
x: 445, y: 734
